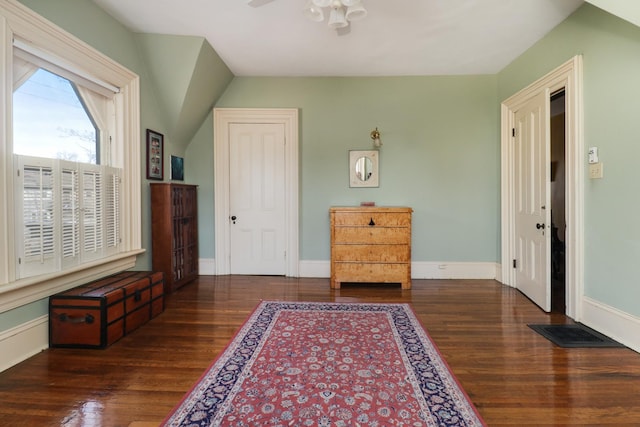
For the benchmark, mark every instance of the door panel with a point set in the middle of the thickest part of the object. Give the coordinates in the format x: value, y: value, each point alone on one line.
x: 532, y: 216
x: 257, y: 199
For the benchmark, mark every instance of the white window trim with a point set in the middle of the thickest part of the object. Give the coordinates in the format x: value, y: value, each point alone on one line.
x: 16, y: 20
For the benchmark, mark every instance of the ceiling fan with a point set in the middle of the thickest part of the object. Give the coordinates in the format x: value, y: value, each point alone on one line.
x: 258, y: 3
x: 341, y: 12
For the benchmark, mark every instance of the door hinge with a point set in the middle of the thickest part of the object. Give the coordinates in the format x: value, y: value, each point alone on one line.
x: 514, y: 263
x: 20, y: 261
x: 513, y: 132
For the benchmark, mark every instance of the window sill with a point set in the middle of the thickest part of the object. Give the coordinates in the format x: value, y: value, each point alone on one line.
x: 25, y: 291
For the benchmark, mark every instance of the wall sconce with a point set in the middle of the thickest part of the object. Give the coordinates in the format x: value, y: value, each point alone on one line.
x: 375, y: 136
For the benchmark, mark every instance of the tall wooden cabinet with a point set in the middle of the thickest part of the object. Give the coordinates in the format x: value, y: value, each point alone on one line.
x: 371, y: 244
x: 174, y: 233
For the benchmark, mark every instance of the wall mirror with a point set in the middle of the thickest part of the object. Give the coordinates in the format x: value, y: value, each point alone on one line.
x: 363, y: 168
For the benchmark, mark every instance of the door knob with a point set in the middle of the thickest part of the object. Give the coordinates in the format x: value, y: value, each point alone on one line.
x: 539, y: 226
x: 233, y: 218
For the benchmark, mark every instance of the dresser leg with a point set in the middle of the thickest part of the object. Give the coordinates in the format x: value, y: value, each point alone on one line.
x: 335, y: 284
x: 406, y: 285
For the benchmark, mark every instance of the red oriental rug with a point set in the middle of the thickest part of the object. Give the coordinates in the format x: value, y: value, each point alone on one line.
x: 328, y: 364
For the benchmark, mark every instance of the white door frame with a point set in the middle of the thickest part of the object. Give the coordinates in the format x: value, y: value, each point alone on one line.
x: 569, y: 77
x: 222, y: 118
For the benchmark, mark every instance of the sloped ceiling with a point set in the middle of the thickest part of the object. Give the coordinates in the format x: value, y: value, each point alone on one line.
x: 625, y: 9
x: 188, y: 77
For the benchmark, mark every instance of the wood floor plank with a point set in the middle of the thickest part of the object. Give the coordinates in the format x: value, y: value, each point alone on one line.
x: 514, y: 376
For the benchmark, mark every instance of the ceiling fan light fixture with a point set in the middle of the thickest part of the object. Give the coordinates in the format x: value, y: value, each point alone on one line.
x: 337, y: 18
x: 341, y: 12
x: 321, y: 3
x: 313, y: 12
x: 355, y: 12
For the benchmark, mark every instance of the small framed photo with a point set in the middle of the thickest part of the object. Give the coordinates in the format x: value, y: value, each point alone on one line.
x: 363, y: 168
x: 155, y: 155
x: 177, y: 168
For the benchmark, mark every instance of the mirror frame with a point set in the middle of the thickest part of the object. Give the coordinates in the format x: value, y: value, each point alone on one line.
x: 373, y: 181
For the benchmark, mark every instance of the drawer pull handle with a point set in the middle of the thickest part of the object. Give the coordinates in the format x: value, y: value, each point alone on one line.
x: 137, y: 296
x: 371, y: 223
x: 64, y: 317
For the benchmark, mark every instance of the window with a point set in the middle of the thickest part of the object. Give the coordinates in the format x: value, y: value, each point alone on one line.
x: 50, y: 118
x: 73, y: 211
x: 67, y: 204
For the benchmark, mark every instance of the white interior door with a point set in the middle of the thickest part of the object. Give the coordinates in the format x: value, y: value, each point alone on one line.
x: 532, y: 204
x: 257, y: 198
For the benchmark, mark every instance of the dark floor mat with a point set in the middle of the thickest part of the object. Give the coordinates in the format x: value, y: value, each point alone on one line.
x: 574, y: 336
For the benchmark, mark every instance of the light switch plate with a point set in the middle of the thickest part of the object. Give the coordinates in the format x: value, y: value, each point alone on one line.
x: 595, y: 171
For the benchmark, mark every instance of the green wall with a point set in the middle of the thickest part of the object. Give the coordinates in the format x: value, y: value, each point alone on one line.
x: 199, y: 169
x: 174, y: 99
x: 441, y: 152
x: 440, y: 156
x: 91, y: 24
x: 610, y: 48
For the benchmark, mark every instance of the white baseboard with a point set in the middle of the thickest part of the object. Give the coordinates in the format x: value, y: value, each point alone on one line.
x: 207, y: 267
x: 453, y: 270
x: 23, y: 341
x: 321, y: 269
x: 611, y: 322
x: 499, y: 272
x: 419, y: 270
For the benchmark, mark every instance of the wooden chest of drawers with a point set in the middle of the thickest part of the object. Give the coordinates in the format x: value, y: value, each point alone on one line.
x: 371, y: 244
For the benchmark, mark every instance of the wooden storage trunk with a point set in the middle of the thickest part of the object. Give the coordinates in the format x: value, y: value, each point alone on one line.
x: 97, y: 314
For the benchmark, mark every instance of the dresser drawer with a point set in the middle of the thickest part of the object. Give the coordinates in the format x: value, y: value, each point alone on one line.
x: 375, y: 253
x: 371, y: 244
x: 372, y: 273
x: 382, y: 219
x: 371, y: 235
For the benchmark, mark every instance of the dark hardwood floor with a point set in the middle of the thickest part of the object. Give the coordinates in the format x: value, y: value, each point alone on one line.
x: 513, y: 375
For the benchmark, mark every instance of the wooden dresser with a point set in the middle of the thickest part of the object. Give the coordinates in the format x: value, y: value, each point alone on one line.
x: 174, y: 230
x: 371, y: 244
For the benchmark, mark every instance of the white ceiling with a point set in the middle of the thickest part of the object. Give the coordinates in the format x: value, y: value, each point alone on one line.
x: 398, y: 37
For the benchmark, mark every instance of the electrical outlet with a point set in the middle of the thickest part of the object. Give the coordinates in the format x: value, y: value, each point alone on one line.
x: 595, y: 171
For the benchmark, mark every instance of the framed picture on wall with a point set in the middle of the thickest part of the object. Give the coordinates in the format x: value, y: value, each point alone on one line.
x: 177, y: 168
x: 155, y: 155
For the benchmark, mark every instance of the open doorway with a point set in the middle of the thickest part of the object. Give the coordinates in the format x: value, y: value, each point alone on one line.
x: 567, y: 78
x: 558, y: 195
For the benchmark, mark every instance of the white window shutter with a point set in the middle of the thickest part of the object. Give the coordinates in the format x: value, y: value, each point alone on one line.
x: 68, y: 213
x: 70, y: 210
x: 92, y: 213
x: 37, y: 215
x: 112, y: 208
